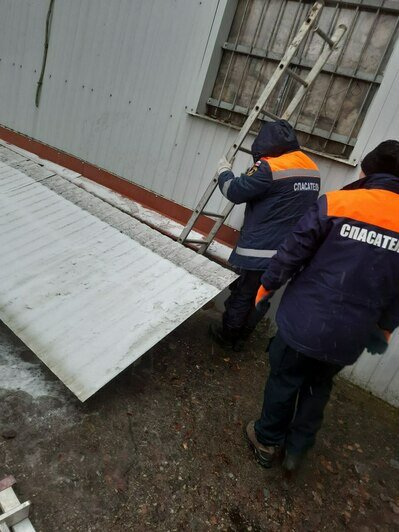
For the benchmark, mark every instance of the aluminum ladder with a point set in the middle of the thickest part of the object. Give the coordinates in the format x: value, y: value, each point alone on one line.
x: 282, y: 68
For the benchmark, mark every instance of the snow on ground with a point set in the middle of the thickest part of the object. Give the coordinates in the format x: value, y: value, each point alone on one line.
x: 21, y: 370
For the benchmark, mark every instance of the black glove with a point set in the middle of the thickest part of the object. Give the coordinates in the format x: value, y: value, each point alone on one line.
x: 378, y: 342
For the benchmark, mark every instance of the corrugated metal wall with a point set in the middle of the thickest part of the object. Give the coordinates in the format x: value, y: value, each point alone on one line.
x: 116, y: 87
x: 118, y: 83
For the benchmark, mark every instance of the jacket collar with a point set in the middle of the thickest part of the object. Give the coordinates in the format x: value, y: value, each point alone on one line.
x: 376, y: 181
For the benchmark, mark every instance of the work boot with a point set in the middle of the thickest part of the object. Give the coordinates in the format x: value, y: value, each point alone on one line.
x: 292, y: 461
x: 265, y: 455
x: 225, y: 336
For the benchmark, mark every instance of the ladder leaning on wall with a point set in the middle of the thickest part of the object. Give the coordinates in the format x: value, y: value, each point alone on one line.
x: 282, y: 68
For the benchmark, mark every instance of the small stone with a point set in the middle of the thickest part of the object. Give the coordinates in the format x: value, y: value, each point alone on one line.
x: 317, y: 498
x: 9, y: 434
x: 394, y: 463
x: 346, y: 516
x: 213, y: 520
x: 394, y: 507
x: 361, y: 469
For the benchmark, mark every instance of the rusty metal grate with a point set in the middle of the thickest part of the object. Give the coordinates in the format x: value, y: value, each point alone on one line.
x: 331, y: 114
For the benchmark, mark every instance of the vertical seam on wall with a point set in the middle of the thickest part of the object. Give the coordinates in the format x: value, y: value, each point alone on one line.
x: 209, y: 34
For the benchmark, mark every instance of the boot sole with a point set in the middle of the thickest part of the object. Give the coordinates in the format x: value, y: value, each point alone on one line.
x: 266, y: 463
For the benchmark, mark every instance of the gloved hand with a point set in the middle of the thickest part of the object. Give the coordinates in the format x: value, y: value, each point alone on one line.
x: 223, y: 165
x: 379, y: 340
x: 262, y: 298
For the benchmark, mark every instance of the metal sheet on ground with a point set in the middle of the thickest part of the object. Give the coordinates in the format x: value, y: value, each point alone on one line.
x: 85, y: 297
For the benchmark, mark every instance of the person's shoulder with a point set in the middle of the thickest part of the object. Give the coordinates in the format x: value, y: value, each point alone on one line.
x: 261, y: 166
x: 308, y: 160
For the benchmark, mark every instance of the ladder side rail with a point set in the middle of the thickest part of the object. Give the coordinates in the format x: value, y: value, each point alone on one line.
x: 212, y: 233
x: 315, y: 71
x: 199, y: 208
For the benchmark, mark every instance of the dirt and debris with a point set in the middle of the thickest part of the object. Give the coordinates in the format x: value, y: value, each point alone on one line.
x: 161, y: 447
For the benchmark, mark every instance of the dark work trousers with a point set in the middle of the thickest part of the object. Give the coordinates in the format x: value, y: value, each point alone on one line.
x: 296, y: 393
x: 240, y: 306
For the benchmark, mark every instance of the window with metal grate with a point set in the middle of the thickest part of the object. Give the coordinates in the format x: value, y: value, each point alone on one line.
x: 331, y: 114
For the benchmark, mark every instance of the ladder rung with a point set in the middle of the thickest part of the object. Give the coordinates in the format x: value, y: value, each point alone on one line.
x: 270, y: 115
x: 245, y: 150
x: 325, y: 37
x: 296, y: 77
x: 195, y: 241
x: 212, y: 214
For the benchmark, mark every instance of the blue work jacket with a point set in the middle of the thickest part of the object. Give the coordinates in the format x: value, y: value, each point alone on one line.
x: 343, y: 261
x: 277, y: 190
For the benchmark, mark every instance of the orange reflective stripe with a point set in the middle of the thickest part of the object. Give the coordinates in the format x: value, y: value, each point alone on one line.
x: 295, y: 159
x: 375, y: 207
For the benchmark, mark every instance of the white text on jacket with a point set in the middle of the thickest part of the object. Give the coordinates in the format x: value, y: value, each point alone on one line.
x: 370, y: 237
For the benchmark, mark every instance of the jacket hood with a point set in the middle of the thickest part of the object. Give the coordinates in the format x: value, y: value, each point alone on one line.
x: 274, y: 139
x: 382, y: 181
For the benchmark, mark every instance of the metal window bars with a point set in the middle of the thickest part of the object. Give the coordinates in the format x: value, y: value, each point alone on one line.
x: 283, y: 68
x: 330, y: 116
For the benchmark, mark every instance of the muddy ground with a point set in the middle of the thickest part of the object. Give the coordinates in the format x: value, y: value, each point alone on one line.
x: 161, y: 447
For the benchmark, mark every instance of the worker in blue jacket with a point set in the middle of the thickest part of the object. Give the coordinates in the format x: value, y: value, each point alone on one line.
x: 343, y: 262
x: 280, y: 186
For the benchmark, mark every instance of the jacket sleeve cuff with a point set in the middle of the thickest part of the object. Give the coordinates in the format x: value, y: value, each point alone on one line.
x: 224, y: 176
x: 267, y: 285
x: 225, y: 180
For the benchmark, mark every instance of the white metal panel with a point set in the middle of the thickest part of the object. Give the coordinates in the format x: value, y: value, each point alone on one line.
x: 379, y: 373
x: 86, y: 298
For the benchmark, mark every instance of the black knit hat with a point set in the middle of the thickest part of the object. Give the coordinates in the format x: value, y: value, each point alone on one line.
x: 384, y: 159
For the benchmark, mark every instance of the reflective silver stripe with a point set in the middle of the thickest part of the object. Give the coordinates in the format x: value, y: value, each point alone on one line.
x: 261, y: 253
x: 226, y: 187
x: 296, y: 172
